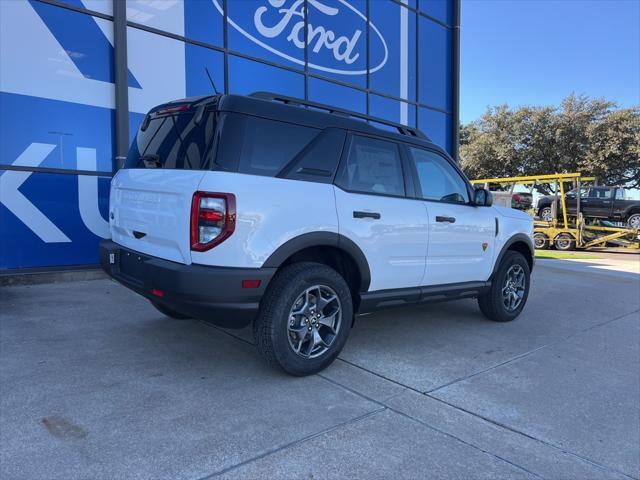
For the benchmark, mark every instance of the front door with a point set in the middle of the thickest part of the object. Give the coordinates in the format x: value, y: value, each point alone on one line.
x: 461, y: 235
x: 599, y: 203
x: 390, y: 229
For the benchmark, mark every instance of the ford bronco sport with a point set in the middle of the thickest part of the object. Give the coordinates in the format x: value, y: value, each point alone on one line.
x: 296, y: 216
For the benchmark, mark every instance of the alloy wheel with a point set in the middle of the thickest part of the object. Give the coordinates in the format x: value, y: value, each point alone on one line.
x: 314, y: 321
x: 513, y: 288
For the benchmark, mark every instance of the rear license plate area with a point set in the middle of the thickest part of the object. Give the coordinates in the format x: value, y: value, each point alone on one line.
x: 132, y: 266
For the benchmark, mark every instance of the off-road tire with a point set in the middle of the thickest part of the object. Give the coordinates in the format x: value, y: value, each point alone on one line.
x: 491, y: 303
x: 270, y: 328
x: 170, y: 313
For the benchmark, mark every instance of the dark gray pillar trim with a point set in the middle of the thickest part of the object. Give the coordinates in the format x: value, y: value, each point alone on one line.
x: 122, y: 81
x: 456, y: 79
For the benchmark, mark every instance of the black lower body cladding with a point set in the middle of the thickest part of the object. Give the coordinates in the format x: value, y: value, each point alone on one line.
x: 212, y: 294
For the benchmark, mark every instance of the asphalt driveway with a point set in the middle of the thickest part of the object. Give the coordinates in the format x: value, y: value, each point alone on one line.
x: 94, y: 383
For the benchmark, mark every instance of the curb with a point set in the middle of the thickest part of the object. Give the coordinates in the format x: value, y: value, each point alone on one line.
x: 37, y: 278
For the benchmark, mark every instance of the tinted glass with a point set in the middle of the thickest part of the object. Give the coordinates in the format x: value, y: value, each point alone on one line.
x: 438, y: 179
x: 173, y: 141
x: 602, y: 193
x: 318, y: 161
x: 373, y: 166
x: 261, y: 146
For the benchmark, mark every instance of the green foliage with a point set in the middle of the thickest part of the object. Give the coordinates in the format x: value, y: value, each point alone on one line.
x: 585, y: 135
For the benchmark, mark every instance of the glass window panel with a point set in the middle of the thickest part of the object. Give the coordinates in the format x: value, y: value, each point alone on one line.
x: 203, y: 21
x: 439, y: 9
x: 338, y: 40
x: 161, y: 75
x: 54, y: 134
x: 437, y: 126
x: 198, y: 60
x: 101, y: 6
x: 56, y: 196
x: 393, y: 110
x: 395, y: 75
x: 437, y: 178
x: 247, y: 76
x: 259, y: 29
x: 373, y: 166
x: 268, y: 145
x: 167, y: 16
x: 337, y: 95
x: 435, y: 65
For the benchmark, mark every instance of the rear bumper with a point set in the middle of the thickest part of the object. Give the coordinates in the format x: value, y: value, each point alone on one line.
x: 212, y: 294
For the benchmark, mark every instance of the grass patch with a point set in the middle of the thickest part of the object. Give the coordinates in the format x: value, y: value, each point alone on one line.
x: 564, y: 255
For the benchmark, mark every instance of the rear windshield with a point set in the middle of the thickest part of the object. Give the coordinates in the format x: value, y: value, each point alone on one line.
x: 177, y: 141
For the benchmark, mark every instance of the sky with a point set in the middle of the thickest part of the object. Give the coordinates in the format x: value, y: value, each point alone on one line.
x: 536, y: 52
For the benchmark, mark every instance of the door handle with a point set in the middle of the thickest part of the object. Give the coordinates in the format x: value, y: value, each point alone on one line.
x: 359, y: 214
x: 446, y: 219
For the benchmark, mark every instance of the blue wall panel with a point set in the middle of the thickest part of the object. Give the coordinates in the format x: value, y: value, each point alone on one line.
x: 57, y: 96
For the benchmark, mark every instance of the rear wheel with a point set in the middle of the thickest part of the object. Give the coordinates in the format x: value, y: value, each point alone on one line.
x: 509, y: 289
x: 304, y: 319
x: 634, y: 220
x: 565, y: 242
x: 170, y: 313
x: 540, y: 241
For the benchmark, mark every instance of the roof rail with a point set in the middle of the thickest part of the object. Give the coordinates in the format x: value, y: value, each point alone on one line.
x: 275, y: 97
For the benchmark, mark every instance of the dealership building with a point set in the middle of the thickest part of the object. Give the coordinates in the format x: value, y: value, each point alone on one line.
x: 77, y: 77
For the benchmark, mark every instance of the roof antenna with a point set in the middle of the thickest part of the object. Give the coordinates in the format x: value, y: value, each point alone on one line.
x: 211, y: 80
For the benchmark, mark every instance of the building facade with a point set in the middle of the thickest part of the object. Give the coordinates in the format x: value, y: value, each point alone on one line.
x: 77, y: 77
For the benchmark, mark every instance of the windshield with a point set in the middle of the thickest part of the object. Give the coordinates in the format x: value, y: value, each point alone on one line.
x: 181, y: 140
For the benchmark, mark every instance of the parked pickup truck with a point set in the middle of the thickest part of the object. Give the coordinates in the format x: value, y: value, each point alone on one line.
x: 610, y: 203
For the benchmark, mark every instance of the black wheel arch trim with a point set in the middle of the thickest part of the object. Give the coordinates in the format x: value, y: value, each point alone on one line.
x: 518, y: 237
x: 323, y: 239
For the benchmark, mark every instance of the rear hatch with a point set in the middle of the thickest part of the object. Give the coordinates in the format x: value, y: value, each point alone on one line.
x: 150, y: 203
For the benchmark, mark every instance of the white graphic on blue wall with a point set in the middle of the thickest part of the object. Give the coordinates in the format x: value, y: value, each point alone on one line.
x: 276, y: 20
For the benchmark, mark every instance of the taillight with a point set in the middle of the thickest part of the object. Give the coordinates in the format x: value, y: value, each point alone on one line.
x: 213, y: 219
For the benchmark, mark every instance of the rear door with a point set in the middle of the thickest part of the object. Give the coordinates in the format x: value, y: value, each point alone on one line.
x: 150, y: 201
x: 461, y: 235
x: 373, y: 212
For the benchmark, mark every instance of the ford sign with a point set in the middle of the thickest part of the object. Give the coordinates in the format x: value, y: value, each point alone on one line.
x: 344, y: 47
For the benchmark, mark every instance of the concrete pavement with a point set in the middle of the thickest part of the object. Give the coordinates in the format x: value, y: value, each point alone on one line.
x: 96, y: 384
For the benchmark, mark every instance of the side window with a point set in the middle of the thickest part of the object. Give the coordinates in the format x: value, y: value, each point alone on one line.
x: 437, y: 178
x: 619, y: 193
x: 601, y: 193
x: 318, y: 161
x: 265, y: 146
x: 373, y: 166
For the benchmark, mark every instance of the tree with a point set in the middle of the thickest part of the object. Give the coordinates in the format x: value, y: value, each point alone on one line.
x: 591, y: 136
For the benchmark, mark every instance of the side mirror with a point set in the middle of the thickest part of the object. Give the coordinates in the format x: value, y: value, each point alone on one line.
x: 483, y: 197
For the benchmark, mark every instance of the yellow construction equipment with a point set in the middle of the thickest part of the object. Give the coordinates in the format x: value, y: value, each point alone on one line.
x: 569, y: 232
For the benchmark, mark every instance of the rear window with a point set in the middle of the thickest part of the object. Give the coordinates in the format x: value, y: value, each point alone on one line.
x: 259, y: 146
x: 176, y: 141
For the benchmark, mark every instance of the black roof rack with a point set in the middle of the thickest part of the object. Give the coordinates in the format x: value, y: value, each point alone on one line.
x: 275, y: 97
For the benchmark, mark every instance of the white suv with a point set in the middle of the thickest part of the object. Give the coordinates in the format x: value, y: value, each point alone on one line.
x: 297, y: 216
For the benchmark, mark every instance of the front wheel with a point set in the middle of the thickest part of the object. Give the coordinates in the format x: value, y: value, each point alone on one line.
x: 509, y: 289
x: 540, y: 241
x: 546, y: 214
x: 304, y: 318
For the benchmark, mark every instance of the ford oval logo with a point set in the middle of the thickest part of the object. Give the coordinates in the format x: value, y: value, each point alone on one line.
x: 342, y: 42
